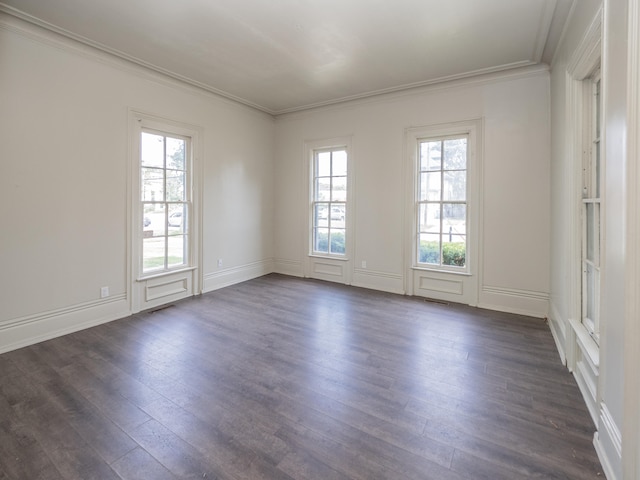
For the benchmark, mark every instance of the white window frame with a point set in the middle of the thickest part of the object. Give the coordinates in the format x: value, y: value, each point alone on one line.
x: 592, y: 190
x: 581, y: 350
x: 334, y: 268
x: 449, y: 284
x: 152, y: 289
x: 331, y: 203
x: 440, y: 202
x: 165, y: 204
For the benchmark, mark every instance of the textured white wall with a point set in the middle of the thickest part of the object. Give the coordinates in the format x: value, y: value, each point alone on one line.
x: 515, y: 187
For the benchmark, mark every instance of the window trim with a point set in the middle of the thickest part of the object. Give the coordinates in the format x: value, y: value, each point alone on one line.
x: 313, y: 260
x: 139, y: 285
x: 330, y: 202
x: 592, y: 194
x: 188, y: 202
x: 445, y: 284
x: 417, y: 202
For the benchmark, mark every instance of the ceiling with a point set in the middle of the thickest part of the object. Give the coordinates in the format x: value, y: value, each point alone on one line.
x: 287, y: 55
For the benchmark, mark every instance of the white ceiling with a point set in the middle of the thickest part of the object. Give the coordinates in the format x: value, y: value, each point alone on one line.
x: 287, y: 55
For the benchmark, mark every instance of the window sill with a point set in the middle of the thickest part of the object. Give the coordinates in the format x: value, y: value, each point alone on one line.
x: 329, y: 257
x: 437, y: 270
x: 165, y: 273
x: 586, y: 341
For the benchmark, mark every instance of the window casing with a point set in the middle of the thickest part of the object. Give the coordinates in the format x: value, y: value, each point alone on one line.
x: 441, y: 203
x: 165, y: 198
x: 329, y: 185
x: 591, y: 213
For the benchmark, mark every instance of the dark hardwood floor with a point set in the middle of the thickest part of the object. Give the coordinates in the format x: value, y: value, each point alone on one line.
x: 283, y: 378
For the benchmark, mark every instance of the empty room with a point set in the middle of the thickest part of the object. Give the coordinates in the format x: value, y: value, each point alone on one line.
x: 301, y: 239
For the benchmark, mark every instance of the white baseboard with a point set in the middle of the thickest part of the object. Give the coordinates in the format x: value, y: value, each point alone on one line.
x: 231, y: 276
x: 521, y: 302
x: 293, y: 268
x: 24, y: 331
x: 608, y: 444
x: 374, y: 280
x: 558, y: 328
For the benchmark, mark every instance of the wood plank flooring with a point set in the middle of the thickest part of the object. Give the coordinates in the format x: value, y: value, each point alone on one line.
x: 284, y: 378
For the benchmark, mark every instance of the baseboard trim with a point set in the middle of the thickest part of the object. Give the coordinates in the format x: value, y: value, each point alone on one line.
x: 28, y: 330
x: 231, y: 276
x: 558, y: 327
x: 608, y: 444
x: 376, y: 280
x: 293, y: 268
x: 511, y: 300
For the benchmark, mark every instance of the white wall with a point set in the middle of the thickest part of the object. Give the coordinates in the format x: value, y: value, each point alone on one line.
x: 562, y: 172
x: 514, y: 190
x: 614, y: 265
x: 63, y: 181
x: 609, y: 396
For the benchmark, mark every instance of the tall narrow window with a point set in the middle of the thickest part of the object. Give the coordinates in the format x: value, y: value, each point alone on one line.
x: 591, y: 217
x: 441, y: 203
x: 329, y: 201
x: 165, y: 198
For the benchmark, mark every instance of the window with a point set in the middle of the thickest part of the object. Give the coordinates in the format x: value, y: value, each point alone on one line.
x: 329, y: 201
x: 590, y: 213
x: 441, y: 203
x: 165, y: 200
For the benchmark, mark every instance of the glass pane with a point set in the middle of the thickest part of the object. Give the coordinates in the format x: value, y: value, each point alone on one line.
x: 321, y: 215
x: 455, y: 154
x: 454, y: 219
x: 152, y: 150
x: 430, y: 155
x: 429, y: 221
x: 175, y: 186
x: 147, y: 221
x: 337, y: 241
x: 429, y: 248
x: 323, y: 164
x: 339, y: 191
x: 338, y: 215
x: 152, y: 184
x: 597, y: 112
x: 430, y: 186
x: 454, y: 250
x: 422, y: 187
x: 597, y: 179
x: 175, y: 153
x: 590, y: 226
x: 339, y: 163
x: 591, y: 289
x: 323, y: 189
x: 153, y: 253
x: 321, y: 240
x: 153, y: 220
x: 177, y: 219
x: 455, y: 186
x: 177, y: 250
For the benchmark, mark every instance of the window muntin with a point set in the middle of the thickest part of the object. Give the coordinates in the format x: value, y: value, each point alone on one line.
x: 441, y: 203
x: 329, y: 201
x: 165, y: 201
